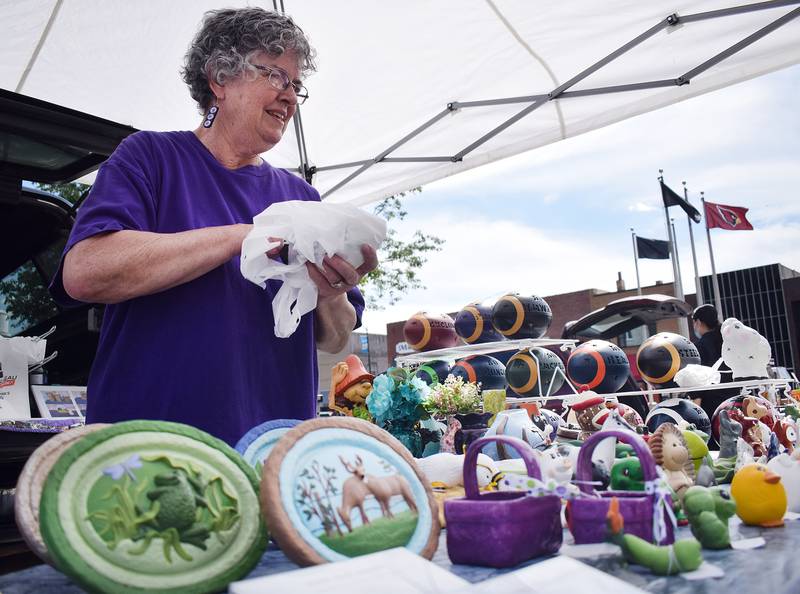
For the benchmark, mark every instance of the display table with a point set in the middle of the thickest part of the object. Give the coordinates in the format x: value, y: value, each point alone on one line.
x: 773, y: 569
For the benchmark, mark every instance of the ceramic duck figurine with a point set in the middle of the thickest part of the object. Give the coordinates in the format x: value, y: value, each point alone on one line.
x: 672, y: 454
x: 760, y: 496
x: 708, y: 511
x: 682, y: 556
x: 447, y: 470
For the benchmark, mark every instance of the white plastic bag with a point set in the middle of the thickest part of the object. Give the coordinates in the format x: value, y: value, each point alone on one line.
x: 16, y: 354
x: 312, y: 230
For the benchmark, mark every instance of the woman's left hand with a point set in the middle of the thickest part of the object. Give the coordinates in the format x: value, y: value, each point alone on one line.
x: 337, y: 276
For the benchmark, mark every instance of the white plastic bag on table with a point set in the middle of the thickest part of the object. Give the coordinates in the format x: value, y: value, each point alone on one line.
x: 16, y: 354
x: 312, y: 230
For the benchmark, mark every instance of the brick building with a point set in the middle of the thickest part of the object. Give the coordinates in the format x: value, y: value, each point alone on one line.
x: 766, y: 298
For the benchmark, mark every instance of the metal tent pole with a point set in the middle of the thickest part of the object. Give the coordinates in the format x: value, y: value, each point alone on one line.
x: 636, y: 263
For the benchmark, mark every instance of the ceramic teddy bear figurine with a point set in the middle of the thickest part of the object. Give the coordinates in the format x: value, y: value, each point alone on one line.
x: 744, y: 350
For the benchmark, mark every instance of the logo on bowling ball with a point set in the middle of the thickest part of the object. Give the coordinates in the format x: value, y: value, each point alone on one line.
x: 474, y: 324
x: 520, y: 316
x: 425, y: 332
x: 600, y: 365
x: 524, y: 378
x: 661, y: 356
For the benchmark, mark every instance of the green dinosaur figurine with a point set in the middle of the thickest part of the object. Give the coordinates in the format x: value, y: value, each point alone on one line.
x: 682, y: 556
x: 626, y: 475
x: 708, y: 510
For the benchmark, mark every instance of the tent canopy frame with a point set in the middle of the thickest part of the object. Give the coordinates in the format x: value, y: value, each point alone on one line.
x: 560, y: 92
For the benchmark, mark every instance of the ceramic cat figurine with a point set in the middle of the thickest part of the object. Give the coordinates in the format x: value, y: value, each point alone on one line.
x: 730, y: 431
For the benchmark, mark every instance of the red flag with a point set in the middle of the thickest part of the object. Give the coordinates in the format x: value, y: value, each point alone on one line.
x: 731, y: 218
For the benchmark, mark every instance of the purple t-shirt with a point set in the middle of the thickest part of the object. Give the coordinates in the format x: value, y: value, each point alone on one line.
x: 205, y: 352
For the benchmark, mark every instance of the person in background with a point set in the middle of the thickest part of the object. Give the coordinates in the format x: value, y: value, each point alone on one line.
x: 707, y: 330
x: 185, y: 336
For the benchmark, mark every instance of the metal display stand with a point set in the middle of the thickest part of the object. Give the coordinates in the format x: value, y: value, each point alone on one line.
x: 486, y: 348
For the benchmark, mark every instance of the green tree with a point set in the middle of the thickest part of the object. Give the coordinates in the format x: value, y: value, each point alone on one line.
x: 400, y: 261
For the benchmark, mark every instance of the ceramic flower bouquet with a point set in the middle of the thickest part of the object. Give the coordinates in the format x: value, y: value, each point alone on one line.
x: 396, y: 404
x: 461, y: 403
x: 454, y: 396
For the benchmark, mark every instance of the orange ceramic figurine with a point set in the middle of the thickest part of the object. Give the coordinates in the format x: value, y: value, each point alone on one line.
x: 351, y: 383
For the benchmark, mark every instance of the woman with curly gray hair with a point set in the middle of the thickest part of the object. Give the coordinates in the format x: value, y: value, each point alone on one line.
x: 185, y: 337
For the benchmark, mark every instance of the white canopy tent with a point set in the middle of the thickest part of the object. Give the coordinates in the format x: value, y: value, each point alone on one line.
x: 409, y: 92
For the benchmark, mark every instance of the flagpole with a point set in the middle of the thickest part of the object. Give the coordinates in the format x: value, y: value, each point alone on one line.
x: 683, y: 325
x: 717, y: 296
x: 697, y: 287
x: 636, y: 262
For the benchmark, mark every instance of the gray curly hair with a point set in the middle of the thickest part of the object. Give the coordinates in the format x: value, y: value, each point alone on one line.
x: 228, y: 38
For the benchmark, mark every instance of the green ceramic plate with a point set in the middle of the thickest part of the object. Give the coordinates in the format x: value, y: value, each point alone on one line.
x: 150, y: 506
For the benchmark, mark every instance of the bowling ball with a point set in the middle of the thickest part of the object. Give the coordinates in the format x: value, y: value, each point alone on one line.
x: 600, y: 365
x: 756, y: 407
x: 474, y: 324
x: 426, y: 332
x: 486, y: 370
x: 523, y: 377
x: 673, y: 411
x: 521, y: 316
x: 661, y: 356
x: 433, y: 372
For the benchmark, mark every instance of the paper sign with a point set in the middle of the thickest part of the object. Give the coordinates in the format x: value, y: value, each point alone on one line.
x: 790, y: 516
x: 704, y: 572
x: 15, y: 356
x: 555, y: 576
x: 588, y: 551
x: 745, y: 544
x: 396, y: 571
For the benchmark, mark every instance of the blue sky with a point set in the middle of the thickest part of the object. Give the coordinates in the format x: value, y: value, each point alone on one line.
x: 557, y: 219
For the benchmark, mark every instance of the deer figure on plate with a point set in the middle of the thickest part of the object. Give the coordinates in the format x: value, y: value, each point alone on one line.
x: 356, y: 489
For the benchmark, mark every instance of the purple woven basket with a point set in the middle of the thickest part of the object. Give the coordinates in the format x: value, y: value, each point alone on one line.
x: 501, y: 528
x: 587, y: 515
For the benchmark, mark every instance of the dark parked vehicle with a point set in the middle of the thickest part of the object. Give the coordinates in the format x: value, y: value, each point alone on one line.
x: 46, y: 143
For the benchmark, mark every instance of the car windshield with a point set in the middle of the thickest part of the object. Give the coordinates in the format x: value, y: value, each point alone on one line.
x: 24, y: 298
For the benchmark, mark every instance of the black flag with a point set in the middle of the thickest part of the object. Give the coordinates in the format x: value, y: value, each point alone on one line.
x: 653, y: 249
x: 672, y: 199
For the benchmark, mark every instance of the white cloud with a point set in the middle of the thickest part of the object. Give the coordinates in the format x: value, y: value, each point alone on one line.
x: 739, y: 145
x: 641, y: 207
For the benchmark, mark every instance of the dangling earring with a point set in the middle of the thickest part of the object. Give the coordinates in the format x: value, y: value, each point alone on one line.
x: 212, y: 113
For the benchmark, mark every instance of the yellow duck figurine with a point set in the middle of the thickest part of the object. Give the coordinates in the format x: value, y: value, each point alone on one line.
x: 760, y: 496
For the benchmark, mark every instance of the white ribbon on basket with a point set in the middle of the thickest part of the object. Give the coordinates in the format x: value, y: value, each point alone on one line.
x: 662, y: 504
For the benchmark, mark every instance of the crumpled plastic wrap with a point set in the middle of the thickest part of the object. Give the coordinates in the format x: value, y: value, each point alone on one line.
x: 312, y: 230
x: 696, y: 376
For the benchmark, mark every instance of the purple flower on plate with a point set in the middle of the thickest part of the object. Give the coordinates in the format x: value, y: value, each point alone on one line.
x: 117, y: 470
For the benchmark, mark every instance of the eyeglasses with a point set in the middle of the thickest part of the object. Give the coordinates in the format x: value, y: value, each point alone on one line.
x: 280, y: 81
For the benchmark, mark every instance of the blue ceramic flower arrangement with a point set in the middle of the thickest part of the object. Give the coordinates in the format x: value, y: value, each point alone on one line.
x: 395, y: 404
x: 397, y: 398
